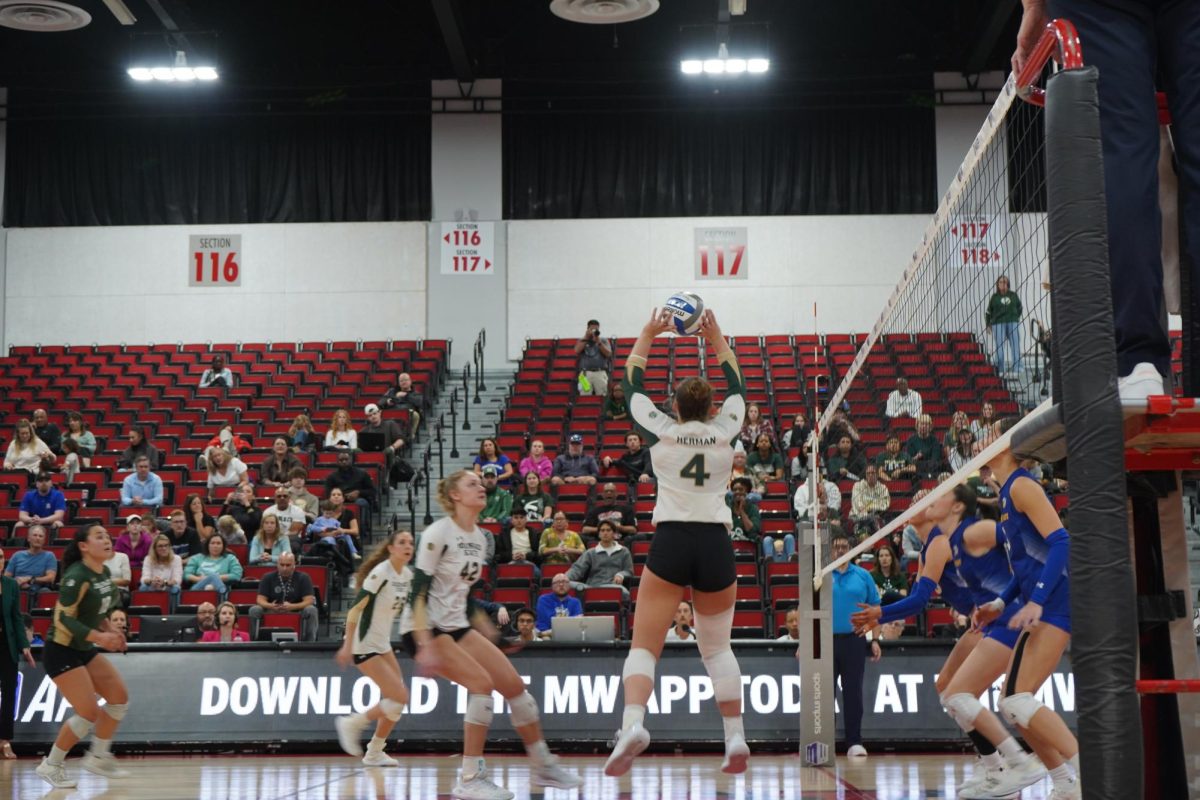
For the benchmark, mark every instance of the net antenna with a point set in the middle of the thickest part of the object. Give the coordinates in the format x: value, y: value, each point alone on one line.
x: 814, y: 476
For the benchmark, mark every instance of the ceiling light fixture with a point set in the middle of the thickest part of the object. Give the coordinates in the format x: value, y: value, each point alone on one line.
x: 180, y: 72
x: 724, y: 65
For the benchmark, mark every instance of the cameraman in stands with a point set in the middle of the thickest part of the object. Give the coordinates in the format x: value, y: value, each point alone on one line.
x: 594, y: 358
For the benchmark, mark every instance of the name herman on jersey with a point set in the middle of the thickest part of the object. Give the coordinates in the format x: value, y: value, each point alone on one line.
x: 696, y: 441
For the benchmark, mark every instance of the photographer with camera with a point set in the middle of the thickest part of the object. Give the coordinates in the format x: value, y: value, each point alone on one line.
x: 595, y: 359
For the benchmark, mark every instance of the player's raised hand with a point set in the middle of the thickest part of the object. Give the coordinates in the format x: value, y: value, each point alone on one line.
x: 709, y: 329
x: 866, y: 618
x: 660, y: 322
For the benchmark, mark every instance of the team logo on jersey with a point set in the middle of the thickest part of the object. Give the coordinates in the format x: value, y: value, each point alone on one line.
x: 653, y: 415
x: 70, y: 582
x: 429, y: 545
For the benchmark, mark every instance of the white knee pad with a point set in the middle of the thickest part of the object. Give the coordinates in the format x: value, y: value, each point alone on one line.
x: 116, y: 710
x: 640, y: 661
x: 1019, y: 708
x: 524, y: 710
x: 479, y: 709
x: 80, y: 726
x: 391, y: 708
x: 712, y: 639
x: 963, y: 709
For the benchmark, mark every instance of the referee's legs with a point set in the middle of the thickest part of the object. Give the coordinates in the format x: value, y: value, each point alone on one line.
x: 850, y: 663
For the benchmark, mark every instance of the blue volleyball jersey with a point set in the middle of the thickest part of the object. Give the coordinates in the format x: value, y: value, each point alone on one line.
x: 986, y: 576
x: 953, y: 587
x: 1026, y: 547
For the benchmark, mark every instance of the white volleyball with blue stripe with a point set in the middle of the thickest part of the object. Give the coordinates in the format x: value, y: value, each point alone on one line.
x: 687, y: 307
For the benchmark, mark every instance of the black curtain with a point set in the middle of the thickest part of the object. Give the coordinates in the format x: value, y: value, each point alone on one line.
x: 217, y: 169
x: 717, y: 162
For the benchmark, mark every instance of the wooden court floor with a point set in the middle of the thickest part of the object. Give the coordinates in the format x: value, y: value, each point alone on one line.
x: 430, y: 777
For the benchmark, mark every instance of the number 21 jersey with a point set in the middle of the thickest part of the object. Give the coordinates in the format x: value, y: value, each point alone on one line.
x: 454, y: 559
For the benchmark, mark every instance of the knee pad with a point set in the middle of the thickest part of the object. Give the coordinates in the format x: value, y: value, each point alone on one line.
x: 391, y: 708
x: 712, y: 632
x: 1019, y: 708
x: 524, y: 710
x: 963, y: 709
x: 725, y: 674
x: 116, y: 710
x: 80, y: 726
x: 479, y: 710
x: 640, y: 661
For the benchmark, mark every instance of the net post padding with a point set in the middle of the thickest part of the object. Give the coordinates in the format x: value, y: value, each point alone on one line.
x: 815, y: 654
x: 1103, y: 601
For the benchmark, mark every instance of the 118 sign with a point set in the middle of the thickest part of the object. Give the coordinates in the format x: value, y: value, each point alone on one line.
x: 974, y: 243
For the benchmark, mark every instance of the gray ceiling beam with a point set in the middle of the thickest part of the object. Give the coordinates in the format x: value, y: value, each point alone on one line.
x: 446, y: 12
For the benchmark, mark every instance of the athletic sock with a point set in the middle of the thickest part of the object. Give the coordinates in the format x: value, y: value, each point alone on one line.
x: 1074, y: 762
x: 376, y: 744
x: 733, y: 725
x: 100, y: 747
x: 983, y: 745
x: 1014, y: 756
x: 634, y: 715
x: 539, y: 751
x: 57, y: 756
x: 992, y: 762
x: 471, y: 766
x: 1062, y: 775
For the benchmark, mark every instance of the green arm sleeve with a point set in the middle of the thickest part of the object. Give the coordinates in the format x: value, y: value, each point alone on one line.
x: 419, y: 596
x: 733, y: 373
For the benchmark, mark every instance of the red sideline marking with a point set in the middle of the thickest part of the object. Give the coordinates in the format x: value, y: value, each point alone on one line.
x: 859, y: 794
x: 1167, y: 686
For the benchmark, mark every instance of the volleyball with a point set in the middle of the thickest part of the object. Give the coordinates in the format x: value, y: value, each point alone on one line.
x: 686, y: 307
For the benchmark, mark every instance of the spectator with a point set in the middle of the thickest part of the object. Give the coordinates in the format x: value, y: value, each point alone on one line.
x: 206, y: 620
x: 797, y: 438
x: 893, y: 463
x: 982, y: 427
x: 499, y: 501
x: 392, y: 433
x: 847, y: 463
x: 608, y: 509
x: 781, y: 548
x: 121, y: 573
x: 118, y: 620
x: 72, y: 463
x: 327, y: 529
x: 681, y: 629
x: 560, y: 545
x: 634, y: 463
x: 43, y: 505
x: 852, y: 585
x: 987, y: 492
x: 537, y: 461
x: 26, y: 451
x: 35, y: 568
x: 839, y: 426
x: 606, y: 564
x: 301, y: 496
x: 217, y: 375
x: 490, y: 455
x: 791, y: 624
x: 741, y: 470
x: 903, y: 402
x: 214, y: 569
x: 519, y: 544
x: 242, y: 505
x: 924, y: 450
x: 228, y: 441
x: 47, y: 431
x: 525, y: 624
x: 356, y: 486
x: 958, y: 422
x: 301, y: 435
x: 162, y: 570
x: 198, y: 519
x: 595, y: 357
x: 403, y: 397
x: 185, y: 542
x: 77, y: 430
x: 231, y: 531
x: 347, y: 522
x: 286, y: 591
x: 269, y: 543
x: 341, y: 434
x: 226, y: 630
x: 278, y: 465
x: 1003, y: 320
x: 138, y: 446
x: 869, y: 501
x: 531, y: 497
x: 765, y: 462
x: 224, y: 472
x: 134, y: 541
x: 890, y: 577
x: 747, y: 525
x: 615, y: 406
x: 828, y: 494
x: 574, y: 466
x: 290, y: 515
x: 754, y: 426
x: 142, y: 487
x: 556, y: 603
x: 963, y: 452
x: 35, y: 640
x: 14, y: 644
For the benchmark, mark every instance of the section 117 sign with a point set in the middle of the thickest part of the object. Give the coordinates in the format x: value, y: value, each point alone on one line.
x: 468, y: 248
x: 721, y: 254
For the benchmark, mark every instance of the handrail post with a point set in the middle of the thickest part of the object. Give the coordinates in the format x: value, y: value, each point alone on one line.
x: 454, y: 424
x: 466, y: 381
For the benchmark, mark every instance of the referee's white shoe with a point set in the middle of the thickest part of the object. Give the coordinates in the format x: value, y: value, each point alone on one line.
x: 631, y: 742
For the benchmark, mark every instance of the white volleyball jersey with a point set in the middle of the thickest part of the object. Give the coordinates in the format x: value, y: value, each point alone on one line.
x: 383, y: 597
x: 692, y: 460
x: 454, y: 559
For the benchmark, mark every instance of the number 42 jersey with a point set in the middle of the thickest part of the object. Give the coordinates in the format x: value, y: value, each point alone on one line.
x: 454, y: 559
x: 692, y: 460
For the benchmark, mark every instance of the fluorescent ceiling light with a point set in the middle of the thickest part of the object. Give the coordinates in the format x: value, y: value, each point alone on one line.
x: 735, y: 66
x: 163, y: 73
x: 723, y: 64
x: 206, y: 73
x: 758, y: 65
x: 184, y: 74
x: 179, y: 73
x: 714, y: 66
x: 692, y: 66
x: 140, y: 74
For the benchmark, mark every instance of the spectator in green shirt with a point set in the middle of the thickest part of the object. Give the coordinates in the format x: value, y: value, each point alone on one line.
x: 499, y: 501
x: 747, y: 523
x: 893, y: 463
x: 847, y: 463
x: 1003, y: 320
x: 924, y: 448
x: 764, y: 461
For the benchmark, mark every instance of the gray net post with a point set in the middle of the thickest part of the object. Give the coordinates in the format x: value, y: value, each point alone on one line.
x: 817, y: 725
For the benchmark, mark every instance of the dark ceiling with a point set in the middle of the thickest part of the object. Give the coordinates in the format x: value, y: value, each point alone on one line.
x: 364, y: 55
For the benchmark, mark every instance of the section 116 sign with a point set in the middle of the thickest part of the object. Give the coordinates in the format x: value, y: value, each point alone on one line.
x: 467, y: 248
x: 721, y: 254
x: 215, y: 260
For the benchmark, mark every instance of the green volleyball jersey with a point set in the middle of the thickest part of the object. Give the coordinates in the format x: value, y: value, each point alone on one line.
x: 84, y: 600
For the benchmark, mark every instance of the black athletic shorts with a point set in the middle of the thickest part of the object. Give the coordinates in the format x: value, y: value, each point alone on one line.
x: 57, y: 659
x: 696, y: 554
x: 361, y: 657
x: 410, y: 644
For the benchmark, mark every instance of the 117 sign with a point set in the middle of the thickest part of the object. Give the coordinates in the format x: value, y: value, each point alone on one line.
x: 467, y: 248
x: 976, y: 242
